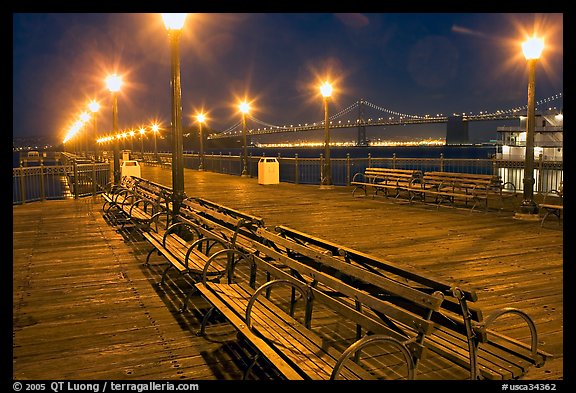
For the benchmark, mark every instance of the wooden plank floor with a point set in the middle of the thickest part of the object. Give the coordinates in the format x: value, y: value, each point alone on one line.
x: 85, y: 307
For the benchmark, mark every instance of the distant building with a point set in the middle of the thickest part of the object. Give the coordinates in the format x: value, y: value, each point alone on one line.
x: 548, y: 138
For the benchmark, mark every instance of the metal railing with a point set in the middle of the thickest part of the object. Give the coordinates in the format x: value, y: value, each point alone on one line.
x: 79, y: 177
x: 74, y: 179
x: 547, y: 174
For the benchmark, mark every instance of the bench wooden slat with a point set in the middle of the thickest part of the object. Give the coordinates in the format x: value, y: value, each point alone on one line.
x: 239, y: 324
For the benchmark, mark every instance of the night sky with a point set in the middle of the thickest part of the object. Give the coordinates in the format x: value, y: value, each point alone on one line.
x: 405, y: 62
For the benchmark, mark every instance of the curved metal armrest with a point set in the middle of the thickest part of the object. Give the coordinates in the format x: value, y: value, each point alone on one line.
x: 304, y: 291
x: 508, y: 183
x: 196, y: 245
x: 538, y: 360
x: 172, y: 228
x: 368, y: 340
x: 359, y: 177
x: 229, y: 268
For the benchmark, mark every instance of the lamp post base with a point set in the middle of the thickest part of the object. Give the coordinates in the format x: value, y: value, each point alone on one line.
x: 528, y: 211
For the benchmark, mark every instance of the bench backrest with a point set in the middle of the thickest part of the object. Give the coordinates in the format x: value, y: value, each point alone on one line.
x: 457, y: 179
x: 235, y: 231
x: 206, y: 205
x: 391, y: 174
x: 450, y: 313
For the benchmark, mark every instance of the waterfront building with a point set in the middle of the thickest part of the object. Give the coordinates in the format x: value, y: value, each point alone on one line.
x: 548, y: 138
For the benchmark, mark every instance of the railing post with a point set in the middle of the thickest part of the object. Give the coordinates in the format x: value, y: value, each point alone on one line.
x: 393, y: 160
x: 42, y: 190
x: 296, y: 169
x: 369, y: 160
x: 441, y: 162
x: 347, y: 169
x: 494, y: 166
x: 75, y: 184
x: 321, y: 167
x: 539, y: 188
x: 22, y: 184
x: 94, y: 177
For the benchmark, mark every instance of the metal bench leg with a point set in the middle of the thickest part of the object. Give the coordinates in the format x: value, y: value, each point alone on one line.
x: 164, y: 275
x: 251, y: 366
x: 207, y: 316
x: 185, y: 304
x: 147, y: 263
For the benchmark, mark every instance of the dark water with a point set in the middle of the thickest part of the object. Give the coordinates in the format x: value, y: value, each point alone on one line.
x: 482, y: 151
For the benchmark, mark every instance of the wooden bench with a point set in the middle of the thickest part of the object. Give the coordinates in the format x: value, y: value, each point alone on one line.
x: 294, y: 345
x: 111, y: 192
x: 196, y: 235
x: 553, y: 204
x: 138, y: 202
x: 187, y: 248
x: 452, y: 186
x: 390, y: 181
x: 461, y: 333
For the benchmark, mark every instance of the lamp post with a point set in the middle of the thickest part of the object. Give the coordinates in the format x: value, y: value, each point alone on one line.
x: 142, y: 131
x: 201, y: 118
x: 114, y: 82
x: 326, y: 181
x: 94, y: 107
x: 155, y: 128
x: 244, y: 108
x: 174, y: 24
x: 528, y: 208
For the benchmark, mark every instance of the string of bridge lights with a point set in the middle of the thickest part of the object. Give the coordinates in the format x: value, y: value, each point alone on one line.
x: 395, y: 114
x: 236, y: 128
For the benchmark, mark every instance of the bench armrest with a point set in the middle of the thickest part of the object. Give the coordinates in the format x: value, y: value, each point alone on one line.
x: 538, y: 358
x: 232, y: 262
x: 304, y: 291
x: 173, y: 227
x: 369, y: 340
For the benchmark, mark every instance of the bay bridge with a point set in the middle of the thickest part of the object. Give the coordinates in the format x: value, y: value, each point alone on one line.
x: 362, y: 111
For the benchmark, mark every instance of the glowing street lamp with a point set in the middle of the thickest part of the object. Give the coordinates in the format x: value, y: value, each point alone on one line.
x: 244, y: 108
x: 201, y: 118
x: 532, y: 50
x: 326, y: 180
x: 114, y: 82
x: 94, y: 108
x: 155, y: 128
x: 174, y: 24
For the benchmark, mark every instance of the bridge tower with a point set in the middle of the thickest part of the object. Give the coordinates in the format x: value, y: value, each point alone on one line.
x: 456, y: 131
x: 361, y: 127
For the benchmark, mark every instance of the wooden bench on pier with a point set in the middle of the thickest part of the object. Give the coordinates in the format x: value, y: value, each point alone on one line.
x: 196, y: 237
x: 552, y: 204
x: 138, y: 202
x: 461, y: 333
x: 388, y: 180
x: 296, y: 341
x: 464, y: 187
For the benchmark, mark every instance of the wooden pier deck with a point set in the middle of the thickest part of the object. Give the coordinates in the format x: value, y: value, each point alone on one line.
x: 85, y: 307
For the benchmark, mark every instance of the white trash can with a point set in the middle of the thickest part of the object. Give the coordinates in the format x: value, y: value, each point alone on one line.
x: 268, y: 171
x: 130, y: 168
